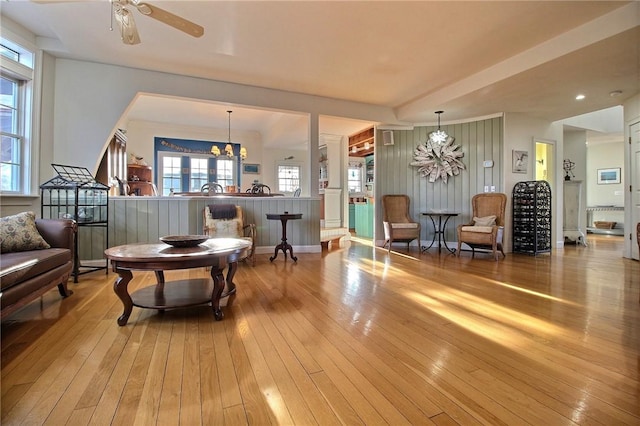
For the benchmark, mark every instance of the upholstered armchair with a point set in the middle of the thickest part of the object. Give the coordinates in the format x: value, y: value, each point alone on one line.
x: 397, y: 222
x: 227, y: 221
x: 487, y: 226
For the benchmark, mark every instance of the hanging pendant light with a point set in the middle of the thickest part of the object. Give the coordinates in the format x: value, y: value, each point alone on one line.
x: 229, y: 149
x: 439, y: 136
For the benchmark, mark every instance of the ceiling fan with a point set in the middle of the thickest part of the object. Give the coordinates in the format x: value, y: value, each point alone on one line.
x: 128, y: 29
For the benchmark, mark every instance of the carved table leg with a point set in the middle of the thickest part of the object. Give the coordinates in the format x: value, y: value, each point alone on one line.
x: 120, y: 288
x: 159, y: 290
x: 231, y: 286
x: 218, y: 287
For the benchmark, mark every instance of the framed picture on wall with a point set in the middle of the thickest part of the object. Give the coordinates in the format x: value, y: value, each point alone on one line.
x: 520, y: 161
x: 607, y: 176
x: 251, y: 169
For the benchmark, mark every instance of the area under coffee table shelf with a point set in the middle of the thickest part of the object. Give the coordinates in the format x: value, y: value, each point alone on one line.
x: 176, y: 294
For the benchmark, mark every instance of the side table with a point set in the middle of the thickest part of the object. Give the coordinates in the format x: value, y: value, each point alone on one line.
x: 438, y: 231
x: 284, y: 245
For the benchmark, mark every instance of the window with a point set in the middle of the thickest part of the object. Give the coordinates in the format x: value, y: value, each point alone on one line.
x: 171, y: 176
x: 225, y: 171
x: 187, y: 173
x: 288, y: 178
x: 354, y: 180
x: 198, y: 173
x: 15, y: 117
x: 12, y: 138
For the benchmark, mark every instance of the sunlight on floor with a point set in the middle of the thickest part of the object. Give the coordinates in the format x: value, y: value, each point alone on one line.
x: 483, y: 317
x: 534, y: 293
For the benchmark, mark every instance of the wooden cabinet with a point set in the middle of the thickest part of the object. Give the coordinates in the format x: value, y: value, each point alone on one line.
x: 140, y: 180
x: 137, y: 172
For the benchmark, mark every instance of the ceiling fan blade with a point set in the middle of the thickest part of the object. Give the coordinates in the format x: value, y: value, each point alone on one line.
x: 169, y: 18
x: 128, y: 30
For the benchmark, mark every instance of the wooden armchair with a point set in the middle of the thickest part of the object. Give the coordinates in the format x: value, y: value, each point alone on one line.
x: 227, y: 220
x: 211, y: 188
x: 397, y: 222
x: 487, y: 226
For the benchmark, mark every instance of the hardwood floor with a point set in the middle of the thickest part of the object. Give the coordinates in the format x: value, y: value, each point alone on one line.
x: 352, y: 336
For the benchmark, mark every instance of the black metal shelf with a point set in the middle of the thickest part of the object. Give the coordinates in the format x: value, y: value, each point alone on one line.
x: 531, y: 217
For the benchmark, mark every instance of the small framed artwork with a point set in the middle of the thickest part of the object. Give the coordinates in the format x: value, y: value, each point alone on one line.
x: 607, y: 176
x: 520, y: 161
x: 251, y: 169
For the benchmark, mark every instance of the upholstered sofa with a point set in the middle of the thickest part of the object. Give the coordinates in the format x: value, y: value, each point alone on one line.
x: 35, y: 256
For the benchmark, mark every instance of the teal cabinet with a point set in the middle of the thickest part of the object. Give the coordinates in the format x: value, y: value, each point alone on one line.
x: 352, y: 216
x: 364, y: 220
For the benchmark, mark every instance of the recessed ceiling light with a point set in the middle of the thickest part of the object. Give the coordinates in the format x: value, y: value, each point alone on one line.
x: 615, y: 93
x: 580, y: 97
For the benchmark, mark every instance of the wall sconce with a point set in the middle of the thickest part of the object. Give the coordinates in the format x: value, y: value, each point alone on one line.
x: 243, y: 153
x: 215, y: 150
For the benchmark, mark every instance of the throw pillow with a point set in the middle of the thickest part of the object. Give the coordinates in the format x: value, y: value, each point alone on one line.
x: 19, y: 233
x: 484, y: 221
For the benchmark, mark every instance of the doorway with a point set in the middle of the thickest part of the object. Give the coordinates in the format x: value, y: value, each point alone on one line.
x: 634, y: 135
x: 545, y: 161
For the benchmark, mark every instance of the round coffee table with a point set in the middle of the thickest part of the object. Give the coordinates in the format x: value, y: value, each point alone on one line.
x: 215, y: 253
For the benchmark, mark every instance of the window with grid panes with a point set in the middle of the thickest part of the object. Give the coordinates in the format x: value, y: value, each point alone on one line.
x: 354, y: 179
x: 171, y: 174
x: 288, y: 178
x: 16, y: 87
x: 224, y: 171
x: 199, y: 173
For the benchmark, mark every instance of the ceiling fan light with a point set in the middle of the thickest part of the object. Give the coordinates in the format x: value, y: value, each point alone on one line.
x: 128, y: 30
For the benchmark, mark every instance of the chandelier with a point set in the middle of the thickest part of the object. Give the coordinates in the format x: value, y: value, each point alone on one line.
x: 439, y: 136
x: 228, y: 149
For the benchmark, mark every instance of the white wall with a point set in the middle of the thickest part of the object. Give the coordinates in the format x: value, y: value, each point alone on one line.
x: 90, y: 99
x: 605, y: 156
x: 271, y: 158
x: 575, y: 149
x: 520, y: 131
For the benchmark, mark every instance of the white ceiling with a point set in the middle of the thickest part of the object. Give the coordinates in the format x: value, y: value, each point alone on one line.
x: 470, y: 59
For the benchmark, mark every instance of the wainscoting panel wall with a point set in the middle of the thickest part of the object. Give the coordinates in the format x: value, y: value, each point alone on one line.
x: 479, y: 141
x: 146, y: 219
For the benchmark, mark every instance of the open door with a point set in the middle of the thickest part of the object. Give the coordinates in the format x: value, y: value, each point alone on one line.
x: 634, y: 131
